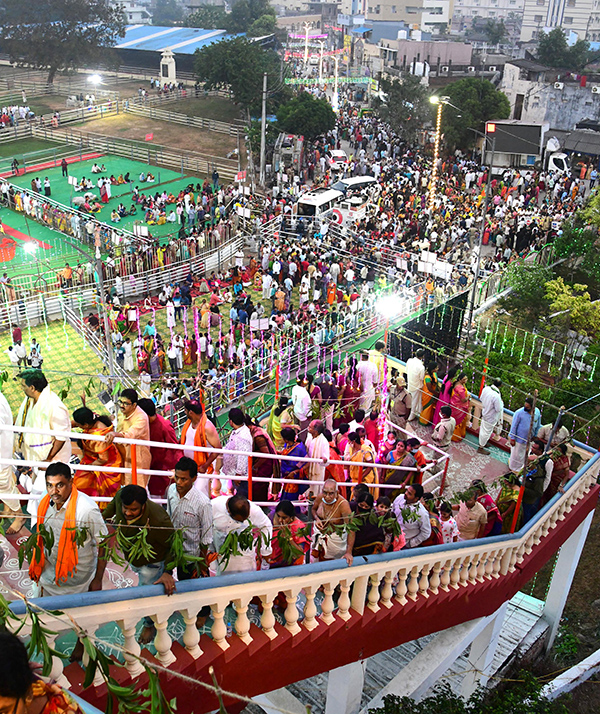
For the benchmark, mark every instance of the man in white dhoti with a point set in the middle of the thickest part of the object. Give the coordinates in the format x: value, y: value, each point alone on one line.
x: 317, y: 447
x: 369, y: 379
x: 8, y: 482
x: 41, y: 409
x: 415, y: 374
x: 492, y: 410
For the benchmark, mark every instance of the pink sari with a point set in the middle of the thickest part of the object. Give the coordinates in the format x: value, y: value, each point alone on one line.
x: 443, y: 399
x: 460, y: 402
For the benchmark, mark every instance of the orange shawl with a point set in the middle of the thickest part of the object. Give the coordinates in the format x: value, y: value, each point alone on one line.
x: 68, y: 556
x: 199, y: 440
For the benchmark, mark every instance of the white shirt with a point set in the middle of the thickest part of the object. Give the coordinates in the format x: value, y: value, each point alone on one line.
x: 369, y: 375
x: 87, y: 515
x: 492, y: 405
x: 193, y: 514
x: 415, y: 373
x: 301, y: 401
x: 223, y: 524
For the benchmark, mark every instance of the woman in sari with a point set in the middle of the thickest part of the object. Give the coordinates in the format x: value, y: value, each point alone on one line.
x: 460, y: 401
x: 292, y: 446
x: 445, y: 392
x: 507, y: 501
x: 204, y: 315
x: 286, y: 525
x: 263, y: 468
x: 278, y: 418
x: 431, y: 390
x: 363, y: 458
x: 142, y: 360
x: 349, y: 391
x: 96, y: 453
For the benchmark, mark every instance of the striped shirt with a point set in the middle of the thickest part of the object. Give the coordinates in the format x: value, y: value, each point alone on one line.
x: 192, y: 514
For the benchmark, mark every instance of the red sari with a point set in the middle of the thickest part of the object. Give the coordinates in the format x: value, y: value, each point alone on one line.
x: 99, y: 483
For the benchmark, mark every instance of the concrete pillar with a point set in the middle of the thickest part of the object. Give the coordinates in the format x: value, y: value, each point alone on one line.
x: 168, y: 71
x: 344, y: 688
x: 562, y: 578
x: 482, y: 654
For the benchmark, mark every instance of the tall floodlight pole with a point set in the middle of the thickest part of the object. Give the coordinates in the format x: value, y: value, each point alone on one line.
x: 263, y: 133
x: 436, y: 149
x: 306, y: 29
x: 321, y: 62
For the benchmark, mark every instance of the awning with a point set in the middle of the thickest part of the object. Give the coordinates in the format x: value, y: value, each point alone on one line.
x: 361, y: 30
x: 583, y: 142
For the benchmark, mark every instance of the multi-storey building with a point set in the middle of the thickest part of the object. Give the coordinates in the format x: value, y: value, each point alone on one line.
x: 580, y: 19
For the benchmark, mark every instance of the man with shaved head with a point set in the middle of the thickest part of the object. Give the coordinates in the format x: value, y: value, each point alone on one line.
x: 331, y: 509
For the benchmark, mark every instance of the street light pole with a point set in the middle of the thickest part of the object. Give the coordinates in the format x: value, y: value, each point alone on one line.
x: 490, y: 134
x: 306, y: 29
x: 263, y: 133
x: 321, y: 62
x: 335, y: 101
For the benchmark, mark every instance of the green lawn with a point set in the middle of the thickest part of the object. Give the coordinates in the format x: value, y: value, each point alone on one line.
x: 217, y: 108
x: 24, y: 146
x: 69, y: 364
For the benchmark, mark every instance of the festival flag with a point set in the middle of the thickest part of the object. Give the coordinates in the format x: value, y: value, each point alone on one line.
x: 149, y: 137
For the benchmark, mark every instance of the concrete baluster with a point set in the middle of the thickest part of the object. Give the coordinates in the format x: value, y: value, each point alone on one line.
x: 343, y: 611
x: 464, y: 571
x: 327, y: 605
x: 291, y: 613
x: 386, y: 590
x: 413, y: 583
x: 267, y: 620
x: 242, y: 623
x: 497, y: 564
x: 424, y: 581
x: 219, y: 628
x: 472, y: 577
x: 401, y: 588
x: 373, y: 596
x: 481, y: 567
x: 434, y: 580
x: 310, y: 609
x: 455, y: 574
x: 163, y: 642
x: 132, y: 648
x: 191, y: 635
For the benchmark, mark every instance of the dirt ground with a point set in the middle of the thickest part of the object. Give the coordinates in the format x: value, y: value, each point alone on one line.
x: 129, y: 126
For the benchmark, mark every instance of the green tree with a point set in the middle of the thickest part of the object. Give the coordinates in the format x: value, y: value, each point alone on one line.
x: 264, y: 25
x: 477, y: 101
x: 572, y: 310
x: 209, y: 17
x: 525, y: 698
x: 246, y: 12
x: 239, y: 65
x: 495, y: 31
x: 59, y: 34
x: 406, y: 107
x: 167, y: 13
x: 553, y: 51
x: 578, y: 242
x: 527, y: 298
x: 306, y: 116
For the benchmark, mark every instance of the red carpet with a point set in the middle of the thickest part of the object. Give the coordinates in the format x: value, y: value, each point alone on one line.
x: 52, y: 165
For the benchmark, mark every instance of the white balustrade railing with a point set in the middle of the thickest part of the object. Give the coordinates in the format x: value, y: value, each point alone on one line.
x: 387, y: 581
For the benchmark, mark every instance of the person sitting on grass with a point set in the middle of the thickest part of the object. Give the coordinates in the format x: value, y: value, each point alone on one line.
x: 150, y: 178
x: 120, y: 180
x: 114, y: 216
x: 121, y: 210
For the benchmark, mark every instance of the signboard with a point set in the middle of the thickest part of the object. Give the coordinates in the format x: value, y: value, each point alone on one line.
x: 310, y: 81
x: 344, y: 20
x: 72, y: 180
x: 241, y: 175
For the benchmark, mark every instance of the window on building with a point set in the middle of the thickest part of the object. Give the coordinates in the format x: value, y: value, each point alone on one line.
x: 538, y: 18
x: 377, y: 9
x: 435, y: 11
x: 540, y: 2
x: 570, y: 3
x: 492, y: 13
x: 411, y: 10
x: 568, y: 20
x: 512, y: 2
x: 394, y: 9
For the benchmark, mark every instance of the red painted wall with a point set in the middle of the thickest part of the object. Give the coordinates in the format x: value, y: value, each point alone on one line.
x: 266, y: 665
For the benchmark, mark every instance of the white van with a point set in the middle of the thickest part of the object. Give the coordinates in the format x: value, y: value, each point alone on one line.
x: 317, y: 204
x: 358, y: 185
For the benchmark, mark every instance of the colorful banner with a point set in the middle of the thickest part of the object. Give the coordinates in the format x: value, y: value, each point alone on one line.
x: 328, y: 80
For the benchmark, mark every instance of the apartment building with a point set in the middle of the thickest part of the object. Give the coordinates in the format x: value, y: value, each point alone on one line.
x: 580, y: 19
